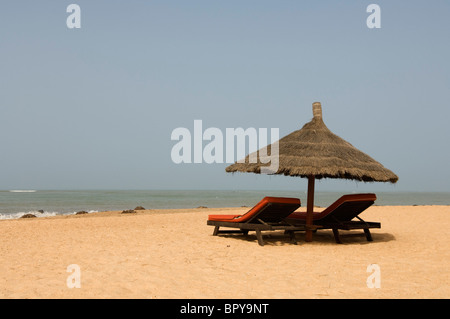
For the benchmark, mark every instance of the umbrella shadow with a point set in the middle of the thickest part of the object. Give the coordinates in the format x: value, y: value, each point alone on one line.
x: 278, y: 238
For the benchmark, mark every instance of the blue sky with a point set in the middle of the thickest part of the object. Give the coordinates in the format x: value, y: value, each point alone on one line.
x: 94, y: 108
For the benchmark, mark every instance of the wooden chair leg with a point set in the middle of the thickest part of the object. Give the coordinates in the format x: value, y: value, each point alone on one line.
x: 368, y: 234
x: 216, y: 230
x: 337, y: 238
x: 292, y: 237
x: 259, y: 237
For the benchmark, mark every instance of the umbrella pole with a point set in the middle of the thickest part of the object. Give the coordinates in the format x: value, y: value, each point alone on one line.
x: 310, y: 208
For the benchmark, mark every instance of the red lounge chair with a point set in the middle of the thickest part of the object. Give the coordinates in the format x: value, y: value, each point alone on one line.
x: 340, y: 215
x: 269, y: 214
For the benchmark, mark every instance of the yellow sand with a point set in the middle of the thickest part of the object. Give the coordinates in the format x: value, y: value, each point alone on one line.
x: 172, y: 254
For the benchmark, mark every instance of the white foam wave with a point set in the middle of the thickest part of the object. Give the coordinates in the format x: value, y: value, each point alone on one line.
x: 38, y: 214
x: 22, y: 191
x: 20, y: 214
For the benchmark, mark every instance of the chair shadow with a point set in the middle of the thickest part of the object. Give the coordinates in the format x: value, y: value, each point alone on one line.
x: 348, y: 237
x: 278, y: 238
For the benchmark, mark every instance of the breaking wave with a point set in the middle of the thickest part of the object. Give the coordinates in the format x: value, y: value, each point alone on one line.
x: 37, y: 214
x: 22, y: 191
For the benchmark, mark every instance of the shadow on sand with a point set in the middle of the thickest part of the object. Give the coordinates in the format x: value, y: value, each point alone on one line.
x: 322, y: 237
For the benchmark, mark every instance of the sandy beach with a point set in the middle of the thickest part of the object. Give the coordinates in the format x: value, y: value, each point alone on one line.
x: 172, y: 254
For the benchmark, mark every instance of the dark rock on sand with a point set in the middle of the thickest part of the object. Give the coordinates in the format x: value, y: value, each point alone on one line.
x: 202, y: 207
x: 128, y: 211
x: 28, y: 216
x: 139, y: 208
x: 81, y: 212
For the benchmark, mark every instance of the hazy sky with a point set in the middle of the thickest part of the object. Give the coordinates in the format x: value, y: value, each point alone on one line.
x: 94, y: 108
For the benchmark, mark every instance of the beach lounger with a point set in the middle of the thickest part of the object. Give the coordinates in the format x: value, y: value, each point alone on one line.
x: 340, y: 215
x: 269, y: 214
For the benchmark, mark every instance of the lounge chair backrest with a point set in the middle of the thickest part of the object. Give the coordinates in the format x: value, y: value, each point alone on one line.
x: 271, y: 209
x: 346, y: 211
x: 345, y: 208
x: 274, y: 212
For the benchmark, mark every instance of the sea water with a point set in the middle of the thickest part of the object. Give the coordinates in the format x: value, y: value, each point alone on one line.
x: 16, y: 203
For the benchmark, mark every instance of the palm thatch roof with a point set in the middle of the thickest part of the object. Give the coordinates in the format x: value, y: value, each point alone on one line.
x: 315, y: 151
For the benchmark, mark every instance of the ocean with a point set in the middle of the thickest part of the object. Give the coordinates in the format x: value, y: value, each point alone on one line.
x: 16, y: 203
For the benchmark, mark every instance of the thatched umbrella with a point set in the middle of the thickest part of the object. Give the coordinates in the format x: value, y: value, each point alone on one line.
x: 315, y: 152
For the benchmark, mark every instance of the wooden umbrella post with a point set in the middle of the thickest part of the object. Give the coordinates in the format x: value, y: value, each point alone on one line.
x: 310, y: 208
